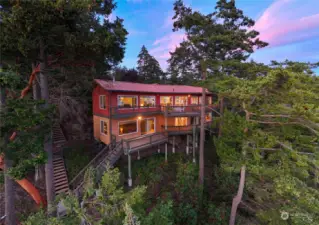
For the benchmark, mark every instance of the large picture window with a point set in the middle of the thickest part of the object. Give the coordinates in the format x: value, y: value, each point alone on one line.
x: 180, y: 121
x: 181, y: 100
x: 127, y: 127
x: 194, y: 100
x: 102, y: 102
x: 166, y: 100
x: 103, y: 127
x: 148, y: 126
x: 127, y: 101
x: 147, y: 101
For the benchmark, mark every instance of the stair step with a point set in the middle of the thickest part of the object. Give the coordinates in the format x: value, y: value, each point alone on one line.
x: 59, y: 170
x: 60, y: 176
x: 62, y: 190
x: 59, y: 167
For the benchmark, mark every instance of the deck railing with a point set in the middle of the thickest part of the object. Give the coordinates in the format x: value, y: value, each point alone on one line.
x: 120, y: 110
x: 78, y: 179
x: 146, y: 140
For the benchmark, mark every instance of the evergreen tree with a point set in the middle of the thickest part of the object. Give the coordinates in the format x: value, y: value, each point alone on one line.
x: 222, y: 39
x: 273, y: 133
x: 148, y: 67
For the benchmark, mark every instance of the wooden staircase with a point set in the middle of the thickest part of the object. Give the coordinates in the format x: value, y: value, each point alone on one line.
x: 106, y: 158
x: 61, y: 183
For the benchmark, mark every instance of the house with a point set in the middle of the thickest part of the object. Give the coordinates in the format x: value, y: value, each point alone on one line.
x: 124, y: 110
x: 134, y: 116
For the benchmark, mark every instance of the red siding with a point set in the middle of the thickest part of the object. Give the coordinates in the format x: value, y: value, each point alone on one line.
x: 98, y: 90
x: 96, y: 107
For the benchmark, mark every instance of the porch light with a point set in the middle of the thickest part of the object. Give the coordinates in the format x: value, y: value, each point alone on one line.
x: 139, y: 118
x: 189, y: 96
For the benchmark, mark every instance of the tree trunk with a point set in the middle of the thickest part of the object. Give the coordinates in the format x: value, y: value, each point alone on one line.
x: 202, y: 134
x: 48, y: 142
x: 238, y: 197
x: 221, y: 110
x: 8, y: 182
x: 39, y: 173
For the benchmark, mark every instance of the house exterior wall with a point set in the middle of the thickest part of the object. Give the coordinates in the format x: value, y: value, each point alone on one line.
x: 105, y: 138
x: 108, y: 114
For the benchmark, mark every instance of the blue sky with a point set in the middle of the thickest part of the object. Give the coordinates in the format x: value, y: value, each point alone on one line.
x: 291, y: 27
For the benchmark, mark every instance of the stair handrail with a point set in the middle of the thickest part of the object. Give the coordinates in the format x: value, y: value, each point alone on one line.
x: 95, y: 160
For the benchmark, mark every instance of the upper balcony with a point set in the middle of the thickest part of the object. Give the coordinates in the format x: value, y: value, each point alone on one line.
x: 168, y: 111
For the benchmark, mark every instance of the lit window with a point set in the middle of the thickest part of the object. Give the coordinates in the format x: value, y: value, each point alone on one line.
x: 127, y: 101
x: 180, y: 121
x: 147, y: 101
x: 208, y: 117
x: 194, y: 100
x: 166, y: 100
x: 127, y: 127
x: 102, y: 102
x: 209, y: 100
x: 103, y: 127
x: 181, y: 100
x: 148, y: 126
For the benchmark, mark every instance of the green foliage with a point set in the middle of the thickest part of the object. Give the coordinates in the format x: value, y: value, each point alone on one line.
x: 273, y: 130
x: 148, y: 67
x: 162, y: 213
x: 31, y: 127
x: 104, y: 203
x: 219, y: 42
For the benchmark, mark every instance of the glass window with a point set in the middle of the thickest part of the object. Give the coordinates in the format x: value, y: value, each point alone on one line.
x: 127, y: 127
x: 208, y: 117
x: 102, y: 102
x: 180, y: 100
x: 127, y: 101
x: 209, y: 100
x: 147, y: 101
x: 148, y: 126
x: 166, y: 100
x: 194, y: 100
x: 180, y: 121
x: 103, y: 127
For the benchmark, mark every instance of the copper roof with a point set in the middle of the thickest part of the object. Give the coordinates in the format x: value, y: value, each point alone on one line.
x: 150, y: 88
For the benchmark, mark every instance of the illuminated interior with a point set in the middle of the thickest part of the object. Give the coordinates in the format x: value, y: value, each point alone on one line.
x: 166, y: 100
x: 181, y: 100
x: 103, y: 127
x: 180, y: 121
x: 127, y: 127
x: 208, y: 117
x: 147, y: 126
x: 194, y: 100
x: 127, y: 101
x: 147, y: 101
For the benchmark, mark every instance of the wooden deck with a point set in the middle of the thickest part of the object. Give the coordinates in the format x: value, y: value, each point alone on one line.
x: 143, y: 142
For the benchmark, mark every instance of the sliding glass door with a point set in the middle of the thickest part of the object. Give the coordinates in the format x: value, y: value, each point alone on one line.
x: 148, y: 126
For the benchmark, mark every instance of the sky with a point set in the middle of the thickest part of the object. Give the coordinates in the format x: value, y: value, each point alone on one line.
x: 291, y: 27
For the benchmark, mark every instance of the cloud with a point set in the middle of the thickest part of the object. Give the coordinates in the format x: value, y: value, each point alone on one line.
x: 134, y: 32
x: 164, y: 45
x: 284, y: 22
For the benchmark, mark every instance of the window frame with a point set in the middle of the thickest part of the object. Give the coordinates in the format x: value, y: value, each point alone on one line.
x: 192, y: 100
x: 146, y: 107
x: 170, y: 96
x: 154, y: 125
x: 101, y: 102
x: 118, y: 127
x: 123, y: 108
x: 181, y: 96
x: 181, y: 125
x: 102, y: 127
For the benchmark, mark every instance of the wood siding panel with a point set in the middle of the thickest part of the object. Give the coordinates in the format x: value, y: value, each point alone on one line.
x: 97, y: 91
x: 97, y: 133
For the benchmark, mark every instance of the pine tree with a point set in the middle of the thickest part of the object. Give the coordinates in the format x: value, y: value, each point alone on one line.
x: 222, y: 39
x: 273, y: 133
x: 148, y: 67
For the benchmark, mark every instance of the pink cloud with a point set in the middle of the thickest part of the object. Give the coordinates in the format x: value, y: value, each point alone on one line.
x: 281, y: 23
x: 166, y: 44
